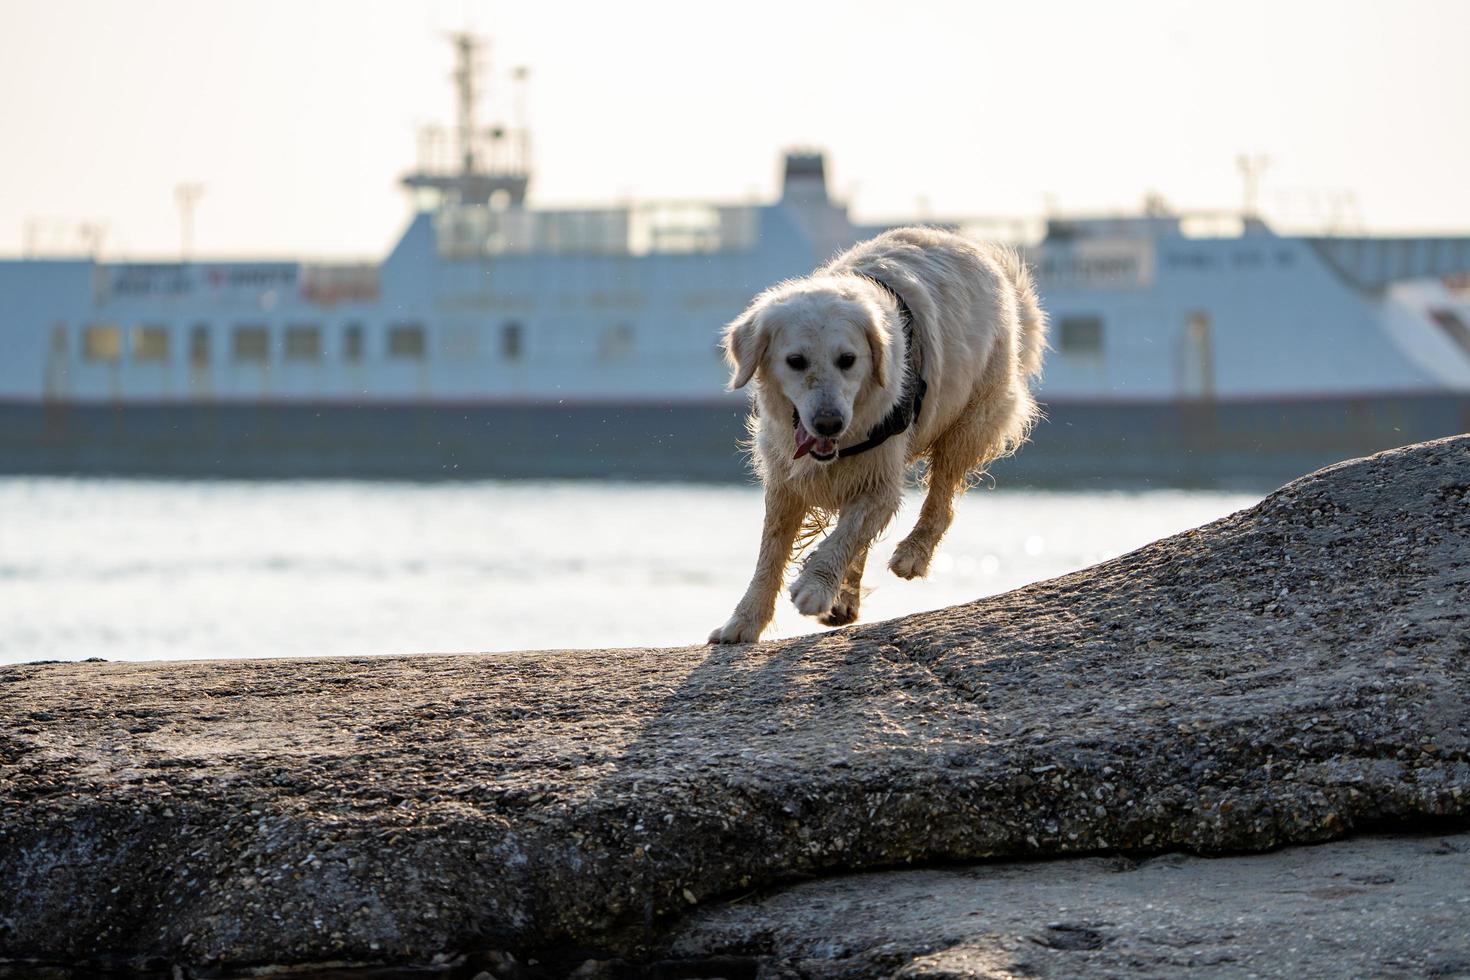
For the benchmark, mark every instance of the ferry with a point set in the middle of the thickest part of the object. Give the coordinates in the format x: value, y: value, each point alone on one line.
x: 499, y: 339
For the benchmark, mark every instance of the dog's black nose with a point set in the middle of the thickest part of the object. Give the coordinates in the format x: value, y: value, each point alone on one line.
x: 827, y: 423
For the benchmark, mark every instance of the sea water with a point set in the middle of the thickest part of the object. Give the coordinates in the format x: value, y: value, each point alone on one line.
x: 149, y: 570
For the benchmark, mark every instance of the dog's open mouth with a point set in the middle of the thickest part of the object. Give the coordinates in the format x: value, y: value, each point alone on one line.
x: 820, y: 449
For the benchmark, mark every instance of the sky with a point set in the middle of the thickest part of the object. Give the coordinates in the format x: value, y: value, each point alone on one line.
x: 298, y: 116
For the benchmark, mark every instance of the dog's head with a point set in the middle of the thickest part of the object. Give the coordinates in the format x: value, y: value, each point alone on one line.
x: 822, y: 347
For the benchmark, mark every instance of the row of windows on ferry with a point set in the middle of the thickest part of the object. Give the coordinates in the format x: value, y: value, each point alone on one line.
x: 256, y: 343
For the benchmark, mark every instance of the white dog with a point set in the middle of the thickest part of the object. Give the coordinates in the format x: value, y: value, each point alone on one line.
x: 917, y: 343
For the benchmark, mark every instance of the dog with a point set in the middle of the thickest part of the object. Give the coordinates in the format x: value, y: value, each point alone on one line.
x: 916, y: 344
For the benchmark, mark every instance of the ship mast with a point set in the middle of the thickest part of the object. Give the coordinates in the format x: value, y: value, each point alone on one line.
x: 466, y: 47
x: 488, y: 164
x: 1251, y: 167
x: 187, y: 196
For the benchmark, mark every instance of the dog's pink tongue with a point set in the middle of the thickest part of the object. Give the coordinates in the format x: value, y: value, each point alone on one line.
x: 804, y: 441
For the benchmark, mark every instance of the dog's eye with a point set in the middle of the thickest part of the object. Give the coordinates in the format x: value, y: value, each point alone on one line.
x: 796, y: 362
x: 845, y: 361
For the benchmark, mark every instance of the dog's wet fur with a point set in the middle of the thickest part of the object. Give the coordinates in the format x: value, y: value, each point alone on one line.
x: 831, y: 348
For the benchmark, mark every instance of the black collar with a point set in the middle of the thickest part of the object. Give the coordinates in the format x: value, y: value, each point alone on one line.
x: 906, y: 412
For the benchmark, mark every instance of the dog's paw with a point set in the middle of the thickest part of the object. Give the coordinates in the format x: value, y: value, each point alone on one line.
x: 737, y: 630
x: 843, y: 611
x: 812, y: 596
x: 910, y: 560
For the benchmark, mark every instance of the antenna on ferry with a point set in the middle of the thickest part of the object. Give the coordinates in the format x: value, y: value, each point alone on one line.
x: 1251, y: 166
x: 91, y: 234
x: 466, y: 67
x: 188, y: 196
x: 520, y: 74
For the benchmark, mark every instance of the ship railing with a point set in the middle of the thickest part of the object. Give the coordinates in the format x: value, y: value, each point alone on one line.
x: 1371, y: 264
x: 493, y: 151
x: 652, y: 228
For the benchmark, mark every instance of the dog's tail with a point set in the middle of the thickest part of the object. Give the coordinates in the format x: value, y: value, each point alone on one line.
x: 1028, y: 308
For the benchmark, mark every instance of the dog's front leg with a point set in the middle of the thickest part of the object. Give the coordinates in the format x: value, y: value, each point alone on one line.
x: 850, y: 596
x: 784, y: 511
x: 815, y: 590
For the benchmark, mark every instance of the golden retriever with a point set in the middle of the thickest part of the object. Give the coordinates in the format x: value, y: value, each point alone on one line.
x: 915, y: 344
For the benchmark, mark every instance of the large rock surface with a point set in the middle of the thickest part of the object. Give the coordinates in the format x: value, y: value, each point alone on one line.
x: 1365, y: 907
x: 1288, y: 674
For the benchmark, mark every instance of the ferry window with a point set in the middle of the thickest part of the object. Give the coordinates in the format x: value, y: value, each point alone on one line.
x: 199, y: 345
x: 251, y: 343
x: 1081, y: 334
x: 58, y: 339
x: 1454, y: 326
x: 150, y: 343
x: 303, y: 342
x: 1187, y: 260
x: 406, y: 341
x: 352, y: 342
x: 102, y: 342
x: 510, y: 341
x: 616, y: 343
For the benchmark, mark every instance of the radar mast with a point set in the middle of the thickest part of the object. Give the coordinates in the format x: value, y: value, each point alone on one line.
x: 485, y: 165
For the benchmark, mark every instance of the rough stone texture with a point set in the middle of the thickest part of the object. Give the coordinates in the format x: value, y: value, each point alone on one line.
x: 1371, y: 906
x: 1288, y: 674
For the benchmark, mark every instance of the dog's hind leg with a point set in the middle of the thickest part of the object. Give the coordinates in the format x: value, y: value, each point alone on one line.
x: 990, y: 428
x: 784, y: 512
x: 849, y: 596
x: 947, y: 475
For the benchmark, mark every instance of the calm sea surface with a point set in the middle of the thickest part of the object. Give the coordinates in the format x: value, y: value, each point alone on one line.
x: 141, y: 570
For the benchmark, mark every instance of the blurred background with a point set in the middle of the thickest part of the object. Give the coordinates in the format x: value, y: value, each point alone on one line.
x: 370, y: 327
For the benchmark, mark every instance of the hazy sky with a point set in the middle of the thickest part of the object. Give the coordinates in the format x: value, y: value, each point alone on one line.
x: 298, y: 115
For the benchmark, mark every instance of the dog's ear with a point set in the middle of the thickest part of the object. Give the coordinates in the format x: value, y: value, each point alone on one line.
x: 745, y: 346
x: 877, y: 331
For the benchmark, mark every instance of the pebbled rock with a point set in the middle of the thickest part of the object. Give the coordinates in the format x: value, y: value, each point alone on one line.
x: 1288, y: 674
x: 1371, y: 906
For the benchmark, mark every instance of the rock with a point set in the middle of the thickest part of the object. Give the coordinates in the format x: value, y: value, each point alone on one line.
x: 1289, y: 674
x: 1372, y: 906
